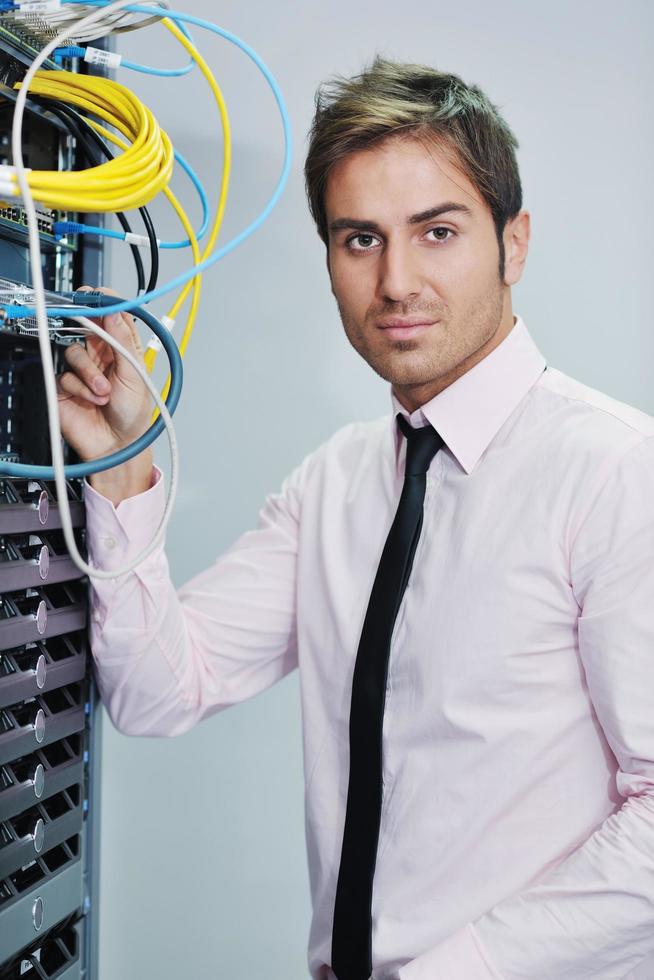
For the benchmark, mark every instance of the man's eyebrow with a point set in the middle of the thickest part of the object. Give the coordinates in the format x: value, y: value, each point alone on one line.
x: 415, y: 219
x: 346, y: 223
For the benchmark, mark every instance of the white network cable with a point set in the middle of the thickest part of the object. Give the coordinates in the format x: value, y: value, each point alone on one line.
x: 49, y: 376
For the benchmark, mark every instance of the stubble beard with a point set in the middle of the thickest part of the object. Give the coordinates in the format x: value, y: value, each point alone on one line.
x: 429, y: 363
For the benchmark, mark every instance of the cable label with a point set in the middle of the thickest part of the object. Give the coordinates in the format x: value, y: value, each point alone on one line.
x: 38, y: 6
x: 107, y: 59
x: 142, y: 240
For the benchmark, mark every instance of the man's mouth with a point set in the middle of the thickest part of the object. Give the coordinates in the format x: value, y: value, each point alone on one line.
x: 405, y: 328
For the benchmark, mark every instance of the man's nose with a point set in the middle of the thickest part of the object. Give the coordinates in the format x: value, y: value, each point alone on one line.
x: 399, y: 272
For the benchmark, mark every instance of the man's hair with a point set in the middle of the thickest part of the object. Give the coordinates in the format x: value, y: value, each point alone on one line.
x: 389, y: 99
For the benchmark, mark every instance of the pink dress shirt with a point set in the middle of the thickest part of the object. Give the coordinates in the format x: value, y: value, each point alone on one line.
x: 517, y: 829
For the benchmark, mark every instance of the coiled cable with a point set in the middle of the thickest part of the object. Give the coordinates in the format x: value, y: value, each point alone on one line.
x: 179, y: 280
x: 97, y: 302
x: 129, y: 180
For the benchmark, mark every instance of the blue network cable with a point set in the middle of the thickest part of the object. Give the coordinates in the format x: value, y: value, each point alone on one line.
x: 79, y: 470
x: 197, y: 183
x: 163, y: 72
x: 77, y: 51
x: 61, y: 228
x: 124, y: 305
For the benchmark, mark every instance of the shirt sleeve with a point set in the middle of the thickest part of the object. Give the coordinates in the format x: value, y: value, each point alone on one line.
x: 593, y: 915
x: 165, y: 659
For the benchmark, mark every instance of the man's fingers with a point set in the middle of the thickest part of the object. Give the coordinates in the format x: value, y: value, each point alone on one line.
x: 122, y: 326
x: 99, y: 351
x: 70, y: 384
x: 131, y: 326
x: 79, y: 360
x: 98, y: 320
x: 96, y: 289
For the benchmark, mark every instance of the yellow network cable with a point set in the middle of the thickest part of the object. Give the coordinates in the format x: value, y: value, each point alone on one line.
x: 195, y: 283
x: 224, y: 185
x: 127, y: 181
x: 130, y: 117
x: 150, y: 355
x: 145, y: 164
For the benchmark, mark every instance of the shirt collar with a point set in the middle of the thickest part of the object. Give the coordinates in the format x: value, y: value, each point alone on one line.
x: 469, y: 412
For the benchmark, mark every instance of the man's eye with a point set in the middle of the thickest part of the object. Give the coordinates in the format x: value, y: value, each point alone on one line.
x: 361, y: 243
x: 441, y: 238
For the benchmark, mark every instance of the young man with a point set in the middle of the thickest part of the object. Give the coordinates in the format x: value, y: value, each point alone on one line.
x: 465, y: 585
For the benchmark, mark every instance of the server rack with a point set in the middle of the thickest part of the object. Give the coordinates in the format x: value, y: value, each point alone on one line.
x: 49, y: 705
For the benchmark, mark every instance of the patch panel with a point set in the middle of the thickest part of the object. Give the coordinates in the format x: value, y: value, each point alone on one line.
x: 19, y: 294
x: 13, y: 222
x: 22, y: 42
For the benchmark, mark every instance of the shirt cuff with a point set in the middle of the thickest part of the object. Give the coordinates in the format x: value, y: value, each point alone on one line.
x: 116, y: 535
x: 461, y: 956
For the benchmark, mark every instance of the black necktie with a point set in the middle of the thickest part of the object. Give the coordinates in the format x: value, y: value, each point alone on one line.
x: 351, y: 935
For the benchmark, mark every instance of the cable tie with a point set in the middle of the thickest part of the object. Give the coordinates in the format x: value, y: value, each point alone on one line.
x: 141, y: 240
x: 107, y: 59
x: 168, y: 322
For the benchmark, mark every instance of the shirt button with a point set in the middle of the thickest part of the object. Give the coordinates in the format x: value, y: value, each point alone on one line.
x: 110, y: 542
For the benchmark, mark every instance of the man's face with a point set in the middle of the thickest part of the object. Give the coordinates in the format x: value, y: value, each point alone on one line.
x: 419, y: 294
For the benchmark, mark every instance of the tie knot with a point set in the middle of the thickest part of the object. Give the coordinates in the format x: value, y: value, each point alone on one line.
x: 421, y: 446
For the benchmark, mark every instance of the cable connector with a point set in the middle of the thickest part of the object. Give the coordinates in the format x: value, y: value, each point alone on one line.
x: 154, y: 343
x: 9, y: 186
x: 94, y: 56
x: 61, y: 228
x: 70, y: 51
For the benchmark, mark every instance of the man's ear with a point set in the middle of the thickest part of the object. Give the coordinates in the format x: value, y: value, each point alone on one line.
x: 516, y: 245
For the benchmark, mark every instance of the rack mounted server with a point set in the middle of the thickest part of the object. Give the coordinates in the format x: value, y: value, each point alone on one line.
x: 49, y: 705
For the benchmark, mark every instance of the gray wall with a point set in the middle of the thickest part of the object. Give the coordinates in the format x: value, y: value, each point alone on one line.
x: 203, y: 859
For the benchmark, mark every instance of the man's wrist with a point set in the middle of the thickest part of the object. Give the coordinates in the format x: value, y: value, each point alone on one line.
x: 126, y: 480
